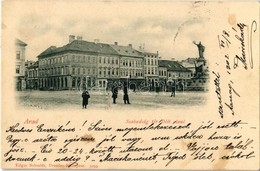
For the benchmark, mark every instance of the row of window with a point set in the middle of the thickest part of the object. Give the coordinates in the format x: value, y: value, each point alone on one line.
x: 54, y: 71
x: 162, y: 73
x: 152, y: 70
x: 131, y: 63
x: 151, y: 56
x: 64, y: 59
x: 180, y: 75
x: 131, y: 73
x: 106, y: 72
x: 33, y: 73
x: 102, y: 83
x: 92, y: 60
x: 66, y: 71
x: 108, y: 60
x: 151, y: 62
x: 81, y: 70
x: 91, y: 71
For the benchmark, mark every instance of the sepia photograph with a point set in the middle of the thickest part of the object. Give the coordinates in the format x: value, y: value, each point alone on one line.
x: 152, y: 60
x: 130, y: 85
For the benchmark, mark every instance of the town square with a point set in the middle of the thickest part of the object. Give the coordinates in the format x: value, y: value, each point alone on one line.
x: 101, y: 68
x: 104, y: 72
x: 51, y: 100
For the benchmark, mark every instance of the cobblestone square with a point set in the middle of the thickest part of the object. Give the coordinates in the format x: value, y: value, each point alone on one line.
x: 103, y: 100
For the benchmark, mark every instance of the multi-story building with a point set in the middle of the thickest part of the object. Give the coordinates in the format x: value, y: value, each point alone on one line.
x: 151, y: 71
x: 27, y: 64
x: 173, y: 72
x: 32, y: 76
x: 82, y: 64
x: 131, y: 65
x: 20, y: 65
x: 69, y: 67
x: 107, y: 66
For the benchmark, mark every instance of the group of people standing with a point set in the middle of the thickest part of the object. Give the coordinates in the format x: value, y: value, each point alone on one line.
x: 115, y: 93
x: 85, y: 95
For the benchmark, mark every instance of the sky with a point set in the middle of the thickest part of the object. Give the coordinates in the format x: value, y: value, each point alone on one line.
x: 166, y: 27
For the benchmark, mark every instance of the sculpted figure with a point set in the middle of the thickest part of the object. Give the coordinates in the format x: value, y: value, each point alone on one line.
x: 201, y: 49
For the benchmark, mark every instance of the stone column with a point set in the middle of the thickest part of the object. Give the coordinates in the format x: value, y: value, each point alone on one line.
x: 64, y: 83
x: 60, y: 83
x: 69, y: 82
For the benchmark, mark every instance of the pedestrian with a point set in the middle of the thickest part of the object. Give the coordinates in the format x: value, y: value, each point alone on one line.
x: 134, y: 87
x: 85, y: 96
x: 157, y: 88
x: 126, y: 97
x: 114, y: 90
x: 173, y: 91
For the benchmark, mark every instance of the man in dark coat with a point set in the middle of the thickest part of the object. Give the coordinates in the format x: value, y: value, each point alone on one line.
x: 173, y: 90
x: 126, y: 97
x: 114, y: 90
x: 85, y: 96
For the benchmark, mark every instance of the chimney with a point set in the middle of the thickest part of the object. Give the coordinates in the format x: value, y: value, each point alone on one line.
x: 96, y: 41
x: 116, y: 43
x: 52, y: 47
x: 71, y: 38
x: 130, y: 45
x: 79, y: 37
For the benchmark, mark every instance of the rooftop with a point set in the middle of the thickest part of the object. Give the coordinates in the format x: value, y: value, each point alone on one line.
x: 92, y: 47
x: 172, y: 65
x: 126, y: 51
x: 35, y: 65
x: 19, y: 42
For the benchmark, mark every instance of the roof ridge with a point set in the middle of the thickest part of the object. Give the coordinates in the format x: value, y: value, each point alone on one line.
x: 18, y: 41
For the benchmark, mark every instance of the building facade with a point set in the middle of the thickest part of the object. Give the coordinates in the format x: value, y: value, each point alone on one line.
x: 189, y: 63
x: 82, y: 64
x: 108, y: 66
x: 32, y: 78
x: 131, y: 64
x: 172, y: 72
x: 28, y: 64
x: 151, y: 71
x: 69, y: 67
x: 20, y: 65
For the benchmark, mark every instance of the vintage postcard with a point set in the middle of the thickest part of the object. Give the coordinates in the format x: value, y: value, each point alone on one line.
x: 157, y: 85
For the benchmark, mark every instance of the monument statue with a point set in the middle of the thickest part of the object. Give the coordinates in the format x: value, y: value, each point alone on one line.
x: 201, y: 49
